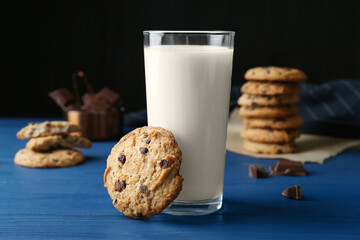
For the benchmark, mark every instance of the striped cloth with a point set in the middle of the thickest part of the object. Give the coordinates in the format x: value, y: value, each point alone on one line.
x: 332, y: 108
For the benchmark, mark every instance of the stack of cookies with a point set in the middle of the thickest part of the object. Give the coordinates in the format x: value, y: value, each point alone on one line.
x: 268, y: 107
x: 50, y: 145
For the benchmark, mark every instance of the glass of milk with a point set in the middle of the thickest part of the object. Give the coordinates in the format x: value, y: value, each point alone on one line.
x: 188, y: 80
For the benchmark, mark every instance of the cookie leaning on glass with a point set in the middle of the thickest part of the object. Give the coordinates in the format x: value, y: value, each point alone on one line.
x: 269, y: 111
x: 50, y: 145
x: 142, y: 173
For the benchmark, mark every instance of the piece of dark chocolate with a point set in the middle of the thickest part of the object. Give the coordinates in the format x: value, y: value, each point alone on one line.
x: 63, y: 98
x: 287, y: 168
x: 94, y: 103
x: 293, y: 192
x: 257, y: 172
x: 109, y: 96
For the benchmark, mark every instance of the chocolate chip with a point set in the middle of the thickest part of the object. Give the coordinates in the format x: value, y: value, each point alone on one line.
x: 288, y: 69
x: 143, y: 189
x: 115, y: 201
x: 268, y: 128
x: 120, y: 185
x: 279, y: 151
x: 269, y: 97
x: 145, y: 134
x: 48, y: 125
x: 69, y: 153
x: 260, y: 152
x: 144, y: 150
x: 63, y: 135
x: 253, y: 104
x: 267, y: 71
x: 122, y: 158
x: 264, y: 92
x: 164, y: 164
x: 139, y: 215
x: 55, y: 160
x: 147, y: 141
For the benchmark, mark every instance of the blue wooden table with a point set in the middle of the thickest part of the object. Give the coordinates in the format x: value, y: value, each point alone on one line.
x: 72, y: 202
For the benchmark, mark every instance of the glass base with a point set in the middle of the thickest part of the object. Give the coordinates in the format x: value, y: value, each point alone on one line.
x: 196, y: 208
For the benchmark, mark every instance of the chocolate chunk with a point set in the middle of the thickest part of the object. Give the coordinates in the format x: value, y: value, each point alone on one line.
x: 120, y: 185
x: 122, y: 158
x: 253, y: 104
x: 63, y: 135
x: 55, y: 160
x: 115, y: 201
x: 109, y: 96
x: 143, y: 189
x: 287, y: 168
x: 69, y: 153
x: 144, y: 150
x: 146, y: 134
x: 279, y: 151
x: 147, y: 141
x: 293, y: 192
x: 94, y: 103
x: 269, y: 97
x: 257, y: 172
x: 62, y: 97
x: 48, y: 125
x: 164, y: 164
x: 139, y: 215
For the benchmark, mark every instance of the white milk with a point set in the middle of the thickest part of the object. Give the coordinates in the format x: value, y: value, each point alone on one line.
x: 188, y: 91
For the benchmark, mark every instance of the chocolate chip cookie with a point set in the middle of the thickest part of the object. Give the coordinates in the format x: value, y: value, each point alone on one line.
x: 268, y: 111
x: 270, y: 148
x: 273, y: 73
x: 47, y: 129
x: 269, y: 88
x: 263, y: 100
x: 274, y: 123
x: 142, y: 174
x: 270, y: 135
x: 57, y: 158
x: 43, y: 144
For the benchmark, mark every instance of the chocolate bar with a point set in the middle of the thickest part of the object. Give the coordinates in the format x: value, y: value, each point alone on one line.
x: 287, y: 168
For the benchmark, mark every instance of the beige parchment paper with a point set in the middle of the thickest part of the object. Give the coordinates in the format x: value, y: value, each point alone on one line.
x: 312, y: 148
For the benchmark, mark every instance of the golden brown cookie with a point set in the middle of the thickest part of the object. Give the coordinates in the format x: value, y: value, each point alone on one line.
x: 268, y: 112
x: 273, y: 73
x: 57, y: 158
x: 47, y: 129
x: 270, y: 148
x: 43, y: 144
x: 274, y: 123
x: 269, y: 88
x: 142, y: 174
x: 270, y: 135
x: 264, y: 100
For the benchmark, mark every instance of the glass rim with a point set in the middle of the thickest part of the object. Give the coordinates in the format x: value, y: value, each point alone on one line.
x: 218, y: 32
